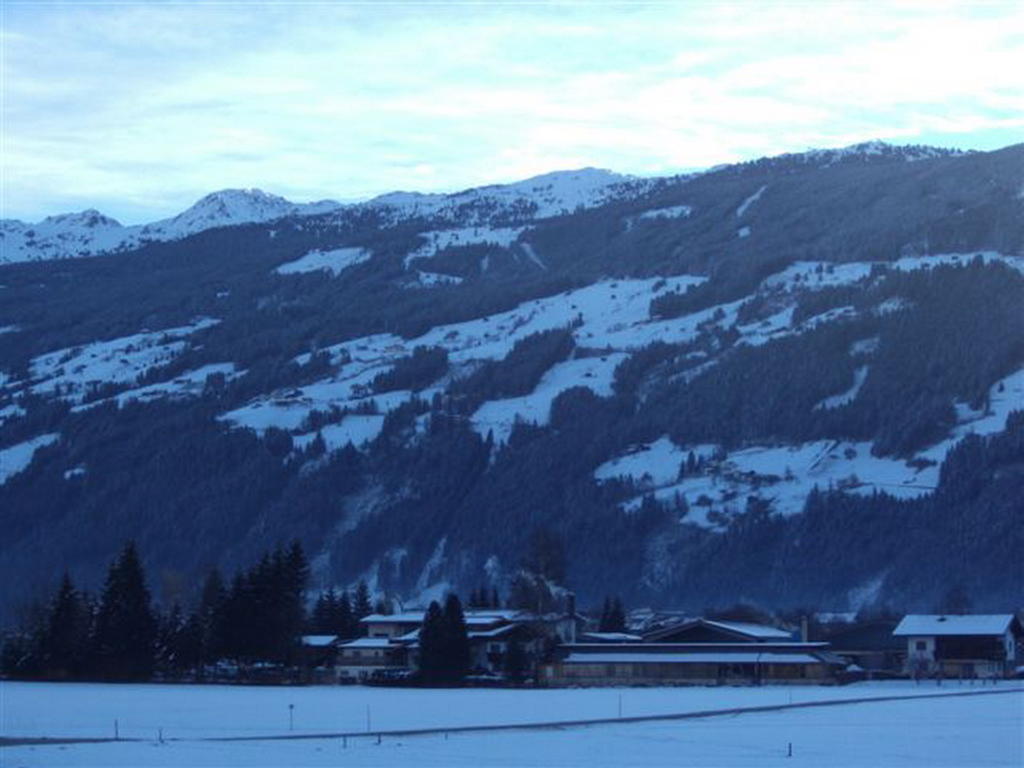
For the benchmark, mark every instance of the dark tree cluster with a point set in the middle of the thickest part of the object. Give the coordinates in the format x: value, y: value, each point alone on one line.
x: 121, y: 635
x: 444, y: 643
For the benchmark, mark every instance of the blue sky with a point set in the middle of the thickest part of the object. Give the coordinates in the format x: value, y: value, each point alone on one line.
x: 138, y: 109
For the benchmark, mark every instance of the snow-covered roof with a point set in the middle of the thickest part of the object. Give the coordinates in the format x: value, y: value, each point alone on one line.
x: 318, y: 641
x: 611, y: 637
x: 753, y: 630
x: 405, y: 617
x: 969, y: 624
x: 370, y: 642
x: 709, y: 657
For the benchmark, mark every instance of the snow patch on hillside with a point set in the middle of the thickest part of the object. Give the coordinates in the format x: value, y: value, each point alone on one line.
x: 499, y: 416
x: 355, y: 429
x: 438, y: 240
x: 188, y: 384
x: 743, y: 232
x: 847, y: 397
x: 17, y: 458
x: 672, y: 212
x: 655, y: 463
x: 745, y: 205
x: 70, y: 373
x: 335, y: 262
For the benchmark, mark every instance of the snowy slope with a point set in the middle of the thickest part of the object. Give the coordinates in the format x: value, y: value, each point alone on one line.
x: 90, y: 233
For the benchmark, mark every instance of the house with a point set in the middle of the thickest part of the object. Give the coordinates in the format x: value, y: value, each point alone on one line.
x: 358, y: 659
x: 392, y: 641
x: 696, y: 652
x: 971, y: 645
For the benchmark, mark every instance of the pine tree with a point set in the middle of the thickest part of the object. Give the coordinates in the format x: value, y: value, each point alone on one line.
x: 125, y: 626
x: 514, y: 663
x: 432, y: 645
x: 65, y: 636
x: 345, y: 625
x: 211, y: 618
x: 362, y: 607
x: 457, y: 651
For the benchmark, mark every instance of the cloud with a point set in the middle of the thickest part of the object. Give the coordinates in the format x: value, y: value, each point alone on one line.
x: 140, y: 109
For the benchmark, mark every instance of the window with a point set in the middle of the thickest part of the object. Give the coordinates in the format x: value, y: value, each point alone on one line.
x: 921, y: 645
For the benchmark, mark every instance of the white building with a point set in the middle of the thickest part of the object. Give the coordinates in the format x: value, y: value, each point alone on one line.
x: 972, y: 645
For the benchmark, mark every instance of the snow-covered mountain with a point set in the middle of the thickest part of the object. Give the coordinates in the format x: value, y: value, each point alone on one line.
x: 792, y: 381
x: 90, y: 233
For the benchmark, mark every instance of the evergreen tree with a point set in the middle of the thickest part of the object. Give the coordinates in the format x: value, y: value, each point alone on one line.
x: 65, y: 637
x: 211, y: 618
x: 432, y: 645
x: 457, y: 651
x: 361, y: 607
x: 344, y: 623
x: 125, y: 626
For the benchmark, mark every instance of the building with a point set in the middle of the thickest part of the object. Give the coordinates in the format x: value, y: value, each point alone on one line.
x: 972, y: 645
x: 696, y: 652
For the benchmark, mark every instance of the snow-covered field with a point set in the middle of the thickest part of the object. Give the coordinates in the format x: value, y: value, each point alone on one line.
x: 949, y: 731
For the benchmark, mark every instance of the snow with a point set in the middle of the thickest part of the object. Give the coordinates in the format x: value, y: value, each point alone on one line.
x: 124, y: 360
x: 673, y: 212
x: 355, y: 429
x: 540, y: 197
x: 656, y: 463
x: 90, y: 233
x: 499, y: 416
x: 335, y: 262
x: 188, y: 384
x: 786, y: 474
x: 10, y: 411
x: 974, y: 624
x: 847, y: 397
x: 74, y: 472
x: 437, y: 241
x: 17, y: 458
x: 814, y: 275
x: 692, y: 657
x: 745, y: 205
x: 432, y: 279
x: 9, y: 329
x: 947, y: 731
x: 743, y: 232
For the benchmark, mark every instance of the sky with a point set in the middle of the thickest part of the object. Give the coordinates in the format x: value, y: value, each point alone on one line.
x: 140, y: 108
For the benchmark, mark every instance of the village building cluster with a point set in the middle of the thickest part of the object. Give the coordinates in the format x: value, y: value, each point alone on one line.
x: 563, y: 649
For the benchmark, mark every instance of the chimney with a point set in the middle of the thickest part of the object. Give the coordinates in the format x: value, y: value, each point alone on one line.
x: 803, y: 629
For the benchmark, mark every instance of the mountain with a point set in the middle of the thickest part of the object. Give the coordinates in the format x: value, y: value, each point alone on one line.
x: 795, y: 382
x: 90, y: 233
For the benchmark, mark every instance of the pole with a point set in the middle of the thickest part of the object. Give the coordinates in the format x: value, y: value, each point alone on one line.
x: 620, y: 706
x: 291, y: 717
x: 367, y: 718
x: 790, y: 752
x: 116, y: 734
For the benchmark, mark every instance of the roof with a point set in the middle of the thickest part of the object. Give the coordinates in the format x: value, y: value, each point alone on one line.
x: 611, y: 637
x: 756, y: 632
x: 700, y: 657
x: 474, y: 616
x: 370, y: 642
x: 318, y: 641
x: 916, y: 625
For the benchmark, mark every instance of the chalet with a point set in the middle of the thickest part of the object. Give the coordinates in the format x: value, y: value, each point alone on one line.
x: 978, y: 645
x: 696, y: 652
x: 360, y: 658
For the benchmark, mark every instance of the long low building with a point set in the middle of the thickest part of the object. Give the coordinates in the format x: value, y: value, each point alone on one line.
x: 742, y: 663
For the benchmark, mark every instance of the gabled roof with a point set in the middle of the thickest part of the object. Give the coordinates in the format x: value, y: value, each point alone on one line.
x: 922, y: 625
x: 739, y: 629
x: 318, y: 641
